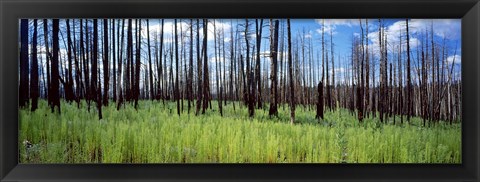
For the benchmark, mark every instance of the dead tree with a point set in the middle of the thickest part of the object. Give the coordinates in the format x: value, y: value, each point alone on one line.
x: 199, y: 70
x: 69, y: 95
x: 250, y: 93
x: 257, y: 79
x: 55, y: 95
x: 290, y: 74
x: 273, y: 76
x: 95, y: 84
x: 150, y: 71
x: 409, y: 81
x: 106, y: 76
x: 205, y: 68
x: 320, y: 101
x: 190, y: 69
x: 23, y: 99
x: 34, y: 89
x: 137, y: 62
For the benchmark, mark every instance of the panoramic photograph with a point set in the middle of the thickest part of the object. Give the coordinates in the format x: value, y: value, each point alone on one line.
x: 136, y: 91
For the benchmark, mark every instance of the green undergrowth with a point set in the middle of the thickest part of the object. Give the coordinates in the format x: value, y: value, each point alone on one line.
x: 156, y: 134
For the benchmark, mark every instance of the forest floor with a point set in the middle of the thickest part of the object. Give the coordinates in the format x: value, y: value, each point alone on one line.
x: 156, y: 134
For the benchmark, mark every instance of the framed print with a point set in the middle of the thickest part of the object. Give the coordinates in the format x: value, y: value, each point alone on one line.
x: 239, y: 90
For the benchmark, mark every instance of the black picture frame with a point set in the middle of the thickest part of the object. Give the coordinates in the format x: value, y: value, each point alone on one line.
x: 11, y: 11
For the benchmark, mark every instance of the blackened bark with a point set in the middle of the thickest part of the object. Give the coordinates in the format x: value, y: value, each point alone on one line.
x: 258, y: 81
x: 290, y: 74
x: 34, y: 89
x: 23, y: 89
x: 273, y: 76
x: 320, y: 101
x: 55, y: 74
x: 205, y: 67
x: 69, y: 84
x: 199, y: 71
x: 190, y: 69
x: 409, y: 82
x: 106, y: 75
x: 95, y: 83
x: 137, y: 62
x: 177, y: 91
x: 150, y: 62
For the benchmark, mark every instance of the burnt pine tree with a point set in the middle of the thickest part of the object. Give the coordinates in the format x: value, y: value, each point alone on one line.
x: 217, y: 72
x: 137, y: 62
x: 23, y: 100
x: 120, y: 61
x: 55, y: 74
x: 290, y: 74
x: 150, y: 62
x: 258, y: 81
x: 409, y: 80
x: 83, y: 53
x: 273, y: 65
x: 205, y: 67
x: 250, y: 93
x: 69, y: 84
x: 127, y: 75
x: 114, y: 71
x: 105, y: 63
x: 78, y: 72
x: 34, y: 89
x: 160, y: 67
x: 48, y: 58
x: 199, y: 71
x: 190, y: 69
x: 319, y: 101
x: 95, y: 88
x: 177, y: 91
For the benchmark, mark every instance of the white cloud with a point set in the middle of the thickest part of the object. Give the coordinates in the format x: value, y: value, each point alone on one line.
x: 445, y: 28
x: 331, y: 24
x: 394, y: 33
x: 155, y: 29
x: 339, y: 22
x: 455, y: 59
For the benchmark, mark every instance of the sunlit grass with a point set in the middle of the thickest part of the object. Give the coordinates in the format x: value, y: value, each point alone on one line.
x: 156, y: 134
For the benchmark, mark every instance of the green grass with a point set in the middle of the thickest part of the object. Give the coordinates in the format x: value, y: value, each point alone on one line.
x: 156, y: 134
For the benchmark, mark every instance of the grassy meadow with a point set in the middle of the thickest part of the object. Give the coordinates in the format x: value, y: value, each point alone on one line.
x: 156, y: 134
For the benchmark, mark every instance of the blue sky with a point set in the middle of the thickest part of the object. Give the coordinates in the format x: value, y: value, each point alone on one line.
x: 445, y: 31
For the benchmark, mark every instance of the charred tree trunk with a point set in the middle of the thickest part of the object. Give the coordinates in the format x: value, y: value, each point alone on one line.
x: 190, y: 69
x: 177, y: 91
x: 160, y: 67
x: 114, y: 69
x: 199, y: 70
x: 96, y: 91
x: 217, y: 72
x: 55, y: 72
x: 23, y: 89
x: 105, y: 63
x: 48, y: 59
x: 34, y: 89
x: 250, y: 93
x: 320, y: 101
x: 120, y: 61
x: 205, y: 67
x: 128, y: 90
x: 409, y: 82
x: 290, y: 74
x: 258, y: 81
x: 69, y: 84
x: 273, y: 75
x: 138, y: 62
x: 150, y: 71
